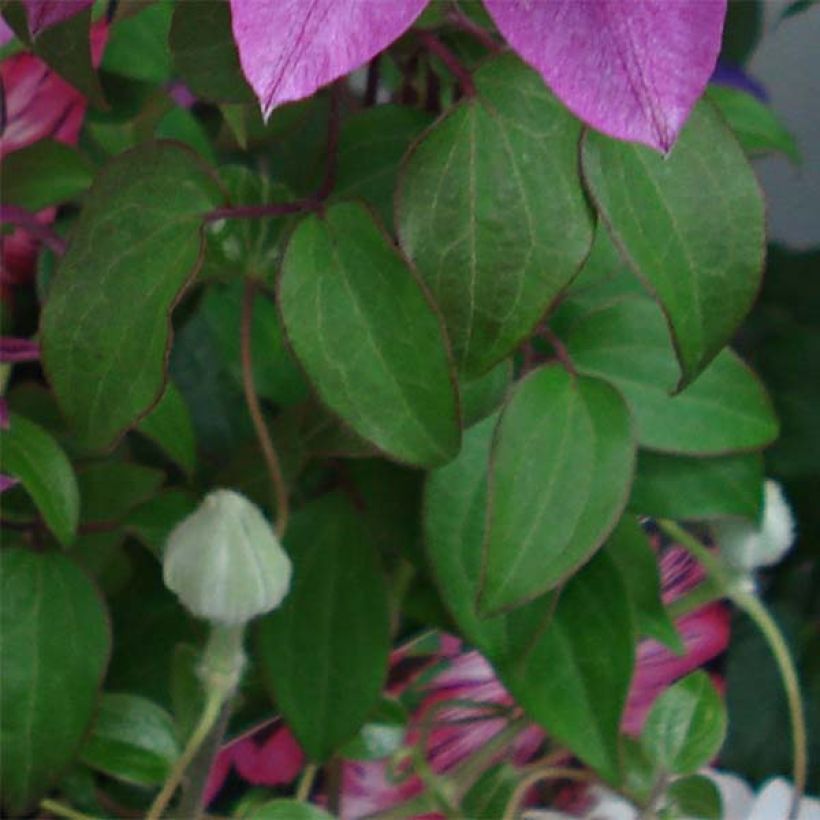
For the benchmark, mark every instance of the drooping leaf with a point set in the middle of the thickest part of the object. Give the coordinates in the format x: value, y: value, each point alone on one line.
x: 205, y: 54
x: 132, y: 739
x: 589, y: 637
x: 169, y: 426
x: 631, y: 70
x: 326, y: 664
x: 491, y: 210
x: 367, y: 336
x: 134, y: 248
x: 629, y: 548
x: 30, y: 454
x: 690, y: 224
x: 756, y: 126
x: 697, y: 489
x: 290, y: 49
x: 686, y: 725
x: 54, y: 650
x: 42, y: 174
x: 562, y: 465
x: 42, y: 14
x: 724, y: 410
x: 371, y: 145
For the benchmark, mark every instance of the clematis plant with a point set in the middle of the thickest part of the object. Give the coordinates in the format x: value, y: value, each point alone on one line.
x: 377, y: 426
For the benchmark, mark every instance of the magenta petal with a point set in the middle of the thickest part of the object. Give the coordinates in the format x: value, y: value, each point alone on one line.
x: 18, y: 350
x: 272, y: 762
x: 46, y: 13
x: 630, y: 68
x: 289, y: 48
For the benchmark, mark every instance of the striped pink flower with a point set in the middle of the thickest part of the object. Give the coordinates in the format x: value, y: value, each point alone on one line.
x: 271, y: 757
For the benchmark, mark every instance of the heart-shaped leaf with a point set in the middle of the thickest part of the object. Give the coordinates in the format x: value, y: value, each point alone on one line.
x: 491, y: 210
x: 690, y: 224
x: 562, y: 465
x: 368, y: 337
x: 105, y: 328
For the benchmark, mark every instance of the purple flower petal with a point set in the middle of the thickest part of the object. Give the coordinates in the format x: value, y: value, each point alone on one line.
x: 18, y: 350
x: 630, y: 68
x: 289, y: 48
x: 6, y: 482
x: 46, y: 13
x: 734, y: 77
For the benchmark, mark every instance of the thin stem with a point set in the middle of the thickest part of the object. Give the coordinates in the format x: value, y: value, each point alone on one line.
x: 306, y: 782
x: 705, y: 593
x: 60, y: 810
x: 28, y: 222
x: 469, y: 26
x: 453, y: 64
x: 333, y: 770
x: 750, y: 604
x: 277, y: 479
x: 560, y: 349
x: 545, y: 773
x: 209, y: 717
x: 332, y: 147
x: 298, y: 206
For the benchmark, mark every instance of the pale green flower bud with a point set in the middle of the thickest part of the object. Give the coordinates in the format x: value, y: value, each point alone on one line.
x: 747, y: 546
x: 224, y: 561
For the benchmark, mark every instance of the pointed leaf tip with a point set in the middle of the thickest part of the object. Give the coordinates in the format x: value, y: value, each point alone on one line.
x: 631, y: 70
x: 290, y: 48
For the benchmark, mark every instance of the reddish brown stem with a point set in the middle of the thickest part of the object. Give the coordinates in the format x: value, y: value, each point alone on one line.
x: 453, y: 64
x: 28, y: 222
x: 458, y: 18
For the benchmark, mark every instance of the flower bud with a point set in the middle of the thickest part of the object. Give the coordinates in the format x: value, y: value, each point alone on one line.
x: 224, y: 561
x: 746, y: 546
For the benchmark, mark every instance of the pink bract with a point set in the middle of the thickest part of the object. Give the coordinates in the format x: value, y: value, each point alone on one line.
x: 289, y: 48
x: 42, y: 14
x: 630, y: 68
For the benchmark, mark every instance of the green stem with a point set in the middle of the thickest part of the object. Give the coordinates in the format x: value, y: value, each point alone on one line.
x: 546, y: 773
x: 59, y: 810
x: 209, y: 717
x: 707, y: 592
x: 750, y: 604
x: 306, y: 782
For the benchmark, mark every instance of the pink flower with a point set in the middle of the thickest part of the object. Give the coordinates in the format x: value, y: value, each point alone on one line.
x: 39, y: 104
x: 272, y: 757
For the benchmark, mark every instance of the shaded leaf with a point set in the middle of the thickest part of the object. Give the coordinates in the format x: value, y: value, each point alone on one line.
x: 562, y: 465
x: 30, y: 454
x: 326, y: 665
x: 344, y: 291
x: 169, y: 426
x: 490, y: 209
x: 42, y: 14
x: 110, y: 489
x: 694, y: 796
x: 725, y: 409
x: 691, y: 226
x: 132, y: 739
x: 137, y: 47
x: 283, y: 809
x: 55, y: 648
x: 129, y: 261
x: 686, y: 725
x: 632, y: 70
x: 697, y: 489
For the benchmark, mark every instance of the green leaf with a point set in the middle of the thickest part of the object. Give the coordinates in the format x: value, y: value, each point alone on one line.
x: 42, y: 174
x: 132, y: 739
x: 152, y: 522
x: 690, y: 224
x: 483, y: 396
x: 111, y: 489
x: 696, y: 796
x: 568, y: 666
x: 381, y: 736
x: 105, y: 327
x: 755, y: 125
x: 205, y: 54
x: 490, y: 795
x: 629, y: 548
x: 137, y: 46
x: 490, y: 208
x: 724, y: 410
x: 686, y: 725
x: 54, y: 650
x: 66, y: 48
x: 344, y: 293
x: 169, y: 426
x: 371, y: 145
x: 284, y: 809
x: 697, y: 489
x: 326, y: 664
x: 562, y: 466
x: 31, y: 455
